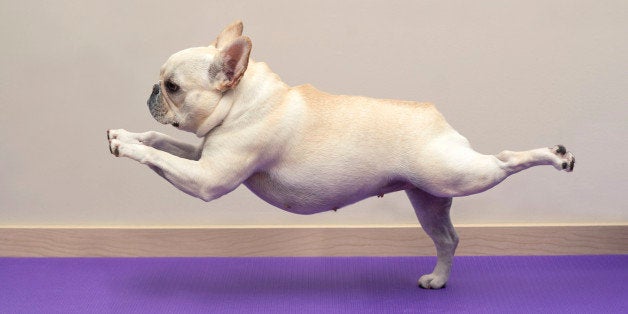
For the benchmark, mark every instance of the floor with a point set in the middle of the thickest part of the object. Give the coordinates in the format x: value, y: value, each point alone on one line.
x: 525, y: 284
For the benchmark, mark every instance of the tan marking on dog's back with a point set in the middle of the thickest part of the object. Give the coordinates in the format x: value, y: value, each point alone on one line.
x: 333, y: 114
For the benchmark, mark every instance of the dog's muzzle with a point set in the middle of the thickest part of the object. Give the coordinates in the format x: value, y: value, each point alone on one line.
x: 155, y: 104
x: 152, y: 99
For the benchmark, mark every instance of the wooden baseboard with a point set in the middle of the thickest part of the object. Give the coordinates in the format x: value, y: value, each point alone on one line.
x: 368, y: 241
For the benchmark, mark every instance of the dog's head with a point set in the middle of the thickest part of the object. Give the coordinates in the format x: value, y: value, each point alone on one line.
x: 193, y: 81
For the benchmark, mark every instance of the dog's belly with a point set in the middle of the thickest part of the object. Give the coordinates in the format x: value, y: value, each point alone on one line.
x: 316, y: 194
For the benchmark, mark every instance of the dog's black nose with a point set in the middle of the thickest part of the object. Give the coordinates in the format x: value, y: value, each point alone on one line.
x: 155, y: 89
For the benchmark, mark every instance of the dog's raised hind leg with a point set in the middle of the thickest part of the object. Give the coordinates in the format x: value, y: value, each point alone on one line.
x: 557, y: 156
x: 457, y: 170
x: 433, y: 214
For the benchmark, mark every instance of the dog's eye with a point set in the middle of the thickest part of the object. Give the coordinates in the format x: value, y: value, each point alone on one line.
x: 172, y: 87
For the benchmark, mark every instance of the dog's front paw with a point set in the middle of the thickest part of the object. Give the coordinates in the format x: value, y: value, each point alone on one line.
x: 114, y: 147
x: 432, y: 281
x: 120, y: 138
x: 137, y: 152
x: 124, y: 136
x: 566, y: 161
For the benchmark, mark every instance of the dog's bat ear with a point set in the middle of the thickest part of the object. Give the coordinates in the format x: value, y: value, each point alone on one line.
x: 229, y: 68
x: 230, y: 33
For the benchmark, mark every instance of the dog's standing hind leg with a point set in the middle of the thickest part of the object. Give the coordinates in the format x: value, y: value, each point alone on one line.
x: 433, y: 214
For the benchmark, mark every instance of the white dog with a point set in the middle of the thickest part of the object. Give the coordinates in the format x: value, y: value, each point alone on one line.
x: 306, y: 151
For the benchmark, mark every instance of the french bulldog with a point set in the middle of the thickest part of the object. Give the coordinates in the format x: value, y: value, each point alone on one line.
x: 306, y: 151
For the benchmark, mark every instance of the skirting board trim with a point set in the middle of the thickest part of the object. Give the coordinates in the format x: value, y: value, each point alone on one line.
x: 319, y: 241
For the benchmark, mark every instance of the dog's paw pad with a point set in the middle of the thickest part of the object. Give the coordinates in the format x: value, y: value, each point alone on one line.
x: 559, y: 150
x: 567, y: 160
x: 432, y: 281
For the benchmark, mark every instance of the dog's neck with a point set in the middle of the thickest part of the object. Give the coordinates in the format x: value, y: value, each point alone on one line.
x: 253, y: 95
x: 255, y: 91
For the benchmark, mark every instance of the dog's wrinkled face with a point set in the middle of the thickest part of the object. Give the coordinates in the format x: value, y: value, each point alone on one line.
x: 193, y: 80
x: 185, y: 95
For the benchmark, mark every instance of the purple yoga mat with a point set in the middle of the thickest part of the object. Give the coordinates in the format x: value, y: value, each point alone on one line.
x: 547, y: 284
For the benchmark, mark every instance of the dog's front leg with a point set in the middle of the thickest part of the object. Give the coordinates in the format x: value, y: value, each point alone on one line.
x: 157, y: 140
x: 199, y: 178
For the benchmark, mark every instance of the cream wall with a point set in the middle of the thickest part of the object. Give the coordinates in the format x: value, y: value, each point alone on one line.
x: 506, y: 74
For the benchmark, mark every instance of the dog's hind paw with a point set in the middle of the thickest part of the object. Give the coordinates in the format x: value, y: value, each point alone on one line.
x: 567, y: 160
x: 432, y: 281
